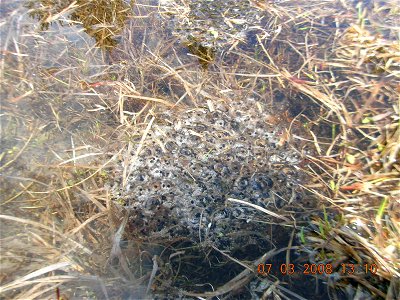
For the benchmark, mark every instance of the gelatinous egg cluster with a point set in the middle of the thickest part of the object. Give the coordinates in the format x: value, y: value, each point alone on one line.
x: 178, y: 181
x: 224, y: 23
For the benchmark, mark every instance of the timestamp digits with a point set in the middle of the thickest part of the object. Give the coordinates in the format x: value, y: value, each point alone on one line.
x: 289, y: 269
x: 313, y: 269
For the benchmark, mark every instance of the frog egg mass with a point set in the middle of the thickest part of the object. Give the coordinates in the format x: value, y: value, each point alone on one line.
x: 179, y: 180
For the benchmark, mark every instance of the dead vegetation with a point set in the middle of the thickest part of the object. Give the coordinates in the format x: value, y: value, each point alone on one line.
x: 329, y: 71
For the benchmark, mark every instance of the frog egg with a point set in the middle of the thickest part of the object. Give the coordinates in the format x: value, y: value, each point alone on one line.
x: 151, y: 161
x: 156, y: 172
x: 222, y: 169
x: 141, y: 177
x: 242, y: 183
x: 241, y: 152
x: 171, y: 146
x: 261, y: 182
x: 167, y: 185
x: 180, y: 139
x: 151, y: 203
x: 220, y: 123
x: 185, y: 150
x: 221, y: 146
x: 234, y: 125
x: 194, y: 168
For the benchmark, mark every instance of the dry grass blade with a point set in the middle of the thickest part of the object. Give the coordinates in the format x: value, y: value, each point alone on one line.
x: 27, y: 278
x: 311, y: 88
x: 268, y: 212
x: 39, y: 225
x: 130, y: 164
x: 18, y: 154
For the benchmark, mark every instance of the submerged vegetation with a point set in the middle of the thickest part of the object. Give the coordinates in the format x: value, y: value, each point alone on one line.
x: 96, y: 95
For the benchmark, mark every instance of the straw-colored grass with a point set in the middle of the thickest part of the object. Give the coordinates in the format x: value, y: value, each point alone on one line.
x: 69, y: 110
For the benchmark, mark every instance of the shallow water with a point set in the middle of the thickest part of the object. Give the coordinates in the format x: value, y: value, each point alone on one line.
x: 59, y: 96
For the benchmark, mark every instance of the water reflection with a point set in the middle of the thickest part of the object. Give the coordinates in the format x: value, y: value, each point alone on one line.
x: 103, y: 20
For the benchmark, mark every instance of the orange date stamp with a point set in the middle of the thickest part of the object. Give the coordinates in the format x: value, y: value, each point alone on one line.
x: 314, y: 269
